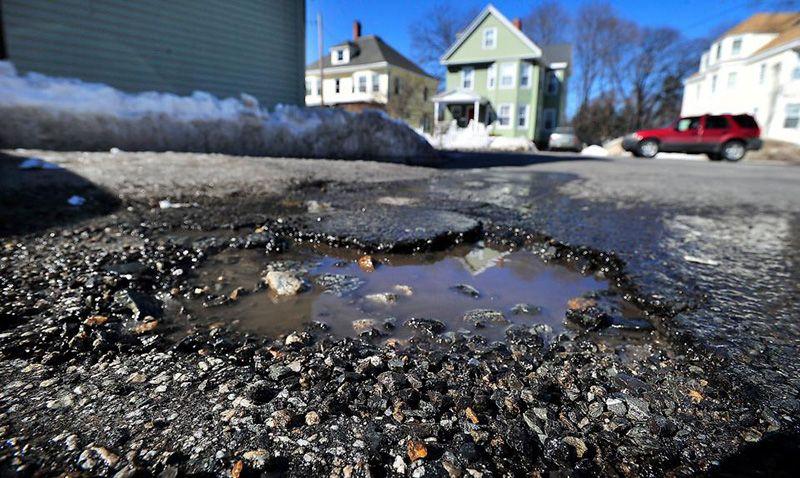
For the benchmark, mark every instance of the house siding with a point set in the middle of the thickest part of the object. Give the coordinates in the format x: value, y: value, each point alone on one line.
x: 180, y: 46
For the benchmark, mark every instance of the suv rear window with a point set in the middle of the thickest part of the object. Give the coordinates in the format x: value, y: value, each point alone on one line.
x: 716, y: 122
x: 745, y: 121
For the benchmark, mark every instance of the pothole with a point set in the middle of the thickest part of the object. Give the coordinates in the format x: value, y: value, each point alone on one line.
x: 466, y: 290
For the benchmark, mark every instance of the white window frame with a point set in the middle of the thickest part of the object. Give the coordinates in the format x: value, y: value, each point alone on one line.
x: 713, y: 83
x: 335, y: 56
x: 510, y: 116
x: 792, y: 113
x: 736, y: 47
x: 375, y: 86
x: 337, y: 85
x: 486, y: 45
x: 762, y: 74
x: 359, y: 78
x: 526, y: 109
x: 309, y: 86
x: 796, y: 70
x: 549, y: 112
x: 523, y: 68
x: 491, y: 77
x: 468, y: 73
x: 512, y: 74
x: 732, y: 77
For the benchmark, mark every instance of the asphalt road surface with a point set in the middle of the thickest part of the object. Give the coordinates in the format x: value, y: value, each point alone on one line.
x: 710, y: 249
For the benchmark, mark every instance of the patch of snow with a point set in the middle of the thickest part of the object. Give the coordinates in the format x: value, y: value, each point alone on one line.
x: 478, y: 137
x: 76, y: 201
x: 167, y: 204
x: 37, y: 163
x: 41, y: 112
x: 594, y: 150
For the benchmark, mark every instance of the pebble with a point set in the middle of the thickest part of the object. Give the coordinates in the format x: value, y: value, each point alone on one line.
x: 284, y: 283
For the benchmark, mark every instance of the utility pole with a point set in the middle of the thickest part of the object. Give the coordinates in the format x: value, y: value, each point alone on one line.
x: 321, y: 68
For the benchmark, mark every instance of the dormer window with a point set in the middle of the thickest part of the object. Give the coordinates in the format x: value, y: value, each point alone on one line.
x: 340, y: 56
x: 489, y: 38
x: 737, y: 47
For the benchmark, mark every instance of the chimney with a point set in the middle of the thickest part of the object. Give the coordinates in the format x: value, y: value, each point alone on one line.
x: 517, y: 23
x: 356, y: 30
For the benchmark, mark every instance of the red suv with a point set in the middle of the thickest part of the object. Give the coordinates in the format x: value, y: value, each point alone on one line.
x: 719, y: 136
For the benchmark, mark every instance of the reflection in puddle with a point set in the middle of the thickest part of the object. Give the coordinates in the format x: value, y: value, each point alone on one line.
x: 472, y: 290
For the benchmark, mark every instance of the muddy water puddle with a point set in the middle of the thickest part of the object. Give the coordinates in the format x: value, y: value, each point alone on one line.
x: 468, y: 290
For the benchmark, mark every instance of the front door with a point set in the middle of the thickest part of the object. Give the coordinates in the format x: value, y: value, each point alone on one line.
x: 470, y: 113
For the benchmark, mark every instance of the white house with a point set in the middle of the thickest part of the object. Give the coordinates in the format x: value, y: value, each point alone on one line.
x: 367, y: 73
x: 753, y: 68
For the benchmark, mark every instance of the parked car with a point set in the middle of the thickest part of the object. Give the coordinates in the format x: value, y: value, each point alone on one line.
x: 718, y: 136
x: 564, y: 138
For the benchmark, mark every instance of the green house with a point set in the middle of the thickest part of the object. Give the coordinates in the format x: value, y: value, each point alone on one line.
x: 499, y: 78
x: 178, y: 46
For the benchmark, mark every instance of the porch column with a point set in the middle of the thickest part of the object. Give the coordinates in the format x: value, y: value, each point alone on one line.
x: 435, y: 115
x: 477, y: 115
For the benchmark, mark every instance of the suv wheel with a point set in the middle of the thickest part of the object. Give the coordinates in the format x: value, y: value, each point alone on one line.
x: 648, y: 148
x: 732, y: 150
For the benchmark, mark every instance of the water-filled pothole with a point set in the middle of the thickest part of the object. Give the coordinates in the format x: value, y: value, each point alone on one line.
x: 467, y: 290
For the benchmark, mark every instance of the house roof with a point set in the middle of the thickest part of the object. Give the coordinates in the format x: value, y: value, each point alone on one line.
x: 370, y: 49
x: 559, y: 53
x: 787, y: 36
x: 490, y: 10
x: 766, y: 23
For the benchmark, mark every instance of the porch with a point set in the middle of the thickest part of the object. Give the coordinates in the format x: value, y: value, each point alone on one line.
x: 463, y: 107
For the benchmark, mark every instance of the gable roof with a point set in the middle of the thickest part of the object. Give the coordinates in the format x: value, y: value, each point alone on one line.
x: 558, y: 53
x: 370, y: 49
x: 766, y: 23
x: 490, y: 10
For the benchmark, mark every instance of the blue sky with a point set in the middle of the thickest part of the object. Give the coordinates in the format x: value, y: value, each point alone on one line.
x: 391, y: 19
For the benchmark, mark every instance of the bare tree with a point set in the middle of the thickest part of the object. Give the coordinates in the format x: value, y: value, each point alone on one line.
x: 435, y: 31
x: 547, y: 23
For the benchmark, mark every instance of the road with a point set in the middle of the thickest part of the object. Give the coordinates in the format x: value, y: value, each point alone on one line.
x: 709, y: 249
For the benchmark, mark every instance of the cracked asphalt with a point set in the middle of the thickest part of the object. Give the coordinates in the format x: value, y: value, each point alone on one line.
x: 709, y: 250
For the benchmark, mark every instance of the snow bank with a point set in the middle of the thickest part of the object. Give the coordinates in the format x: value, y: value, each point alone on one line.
x: 477, y: 137
x: 41, y: 112
x: 594, y: 150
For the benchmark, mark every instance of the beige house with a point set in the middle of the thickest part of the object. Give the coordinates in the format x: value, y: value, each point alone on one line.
x: 367, y: 73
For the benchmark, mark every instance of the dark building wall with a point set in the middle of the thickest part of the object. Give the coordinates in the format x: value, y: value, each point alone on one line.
x: 223, y: 47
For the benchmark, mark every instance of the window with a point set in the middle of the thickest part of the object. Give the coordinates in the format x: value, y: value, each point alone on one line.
x: 337, y: 85
x: 736, y: 48
x: 731, y: 79
x: 397, y: 85
x: 489, y: 38
x: 340, y: 55
x: 704, y: 61
x: 362, y: 84
x: 522, y: 115
x: 714, y: 84
x: 525, y: 72
x: 376, y: 83
x: 549, y: 118
x: 796, y: 71
x: 716, y: 122
x: 507, y: 75
x: 504, y: 115
x: 719, y: 51
x: 792, y: 118
x: 746, y: 121
x: 491, y: 77
x: 319, y: 86
x: 762, y: 73
x: 309, y: 87
x: 686, y: 124
x: 467, y: 78
x: 425, y: 94
x: 552, y: 83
